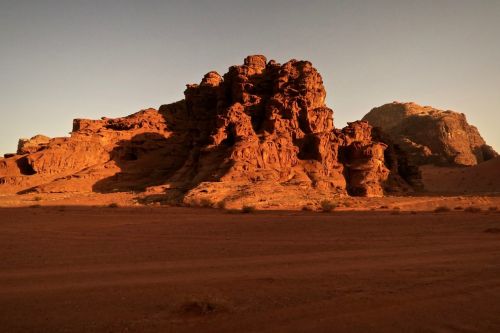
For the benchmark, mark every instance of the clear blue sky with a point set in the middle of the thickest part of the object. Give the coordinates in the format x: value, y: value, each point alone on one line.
x: 61, y: 60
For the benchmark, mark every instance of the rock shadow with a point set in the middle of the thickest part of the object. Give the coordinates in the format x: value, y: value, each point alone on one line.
x: 147, y: 159
x: 175, y: 162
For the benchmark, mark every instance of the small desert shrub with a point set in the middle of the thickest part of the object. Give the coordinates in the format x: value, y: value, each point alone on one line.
x: 327, y: 206
x: 347, y: 204
x: 472, y: 209
x: 35, y: 206
x: 384, y: 207
x: 203, y: 307
x: 246, y: 209
x: 307, y: 208
x: 37, y: 198
x: 459, y: 208
x: 113, y: 205
x: 441, y: 209
x: 206, y: 203
x: 221, y: 204
x: 413, y: 212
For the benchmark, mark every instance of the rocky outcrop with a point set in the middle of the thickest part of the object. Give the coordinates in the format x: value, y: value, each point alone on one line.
x: 261, y: 126
x: 431, y: 136
x: 404, y: 175
x: 29, y: 146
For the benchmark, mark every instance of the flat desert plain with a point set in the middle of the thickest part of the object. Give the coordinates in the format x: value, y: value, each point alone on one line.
x: 172, y: 269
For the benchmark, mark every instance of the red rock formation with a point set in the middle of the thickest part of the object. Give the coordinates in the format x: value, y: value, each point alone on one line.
x: 431, y: 136
x: 29, y: 146
x: 261, y: 126
x: 364, y: 159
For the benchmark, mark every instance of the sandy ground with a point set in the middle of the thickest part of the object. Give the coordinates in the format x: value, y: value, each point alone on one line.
x: 168, y: 269
x: 481, y: 178
x: 388, y: 203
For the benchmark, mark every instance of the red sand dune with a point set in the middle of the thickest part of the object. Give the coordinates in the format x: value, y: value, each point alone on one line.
x: 482, y: 178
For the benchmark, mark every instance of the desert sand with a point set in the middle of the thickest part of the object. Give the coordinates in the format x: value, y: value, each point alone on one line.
x: 82, y: 268
x: 482, y: 178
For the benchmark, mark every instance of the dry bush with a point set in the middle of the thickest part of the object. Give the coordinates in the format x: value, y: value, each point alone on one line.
x: 327, y: 206
x: 221, y: 204
x: 384, y: 207
x: 442, y: 209
x: 307, y: 208
x: 472, y: 209
x: 247, y: 209
x: 203, y: 306
x: 113, y: 205
x: 35, y: 206
x: 458, y: 208
x: 347, y: 204
x: 205, y: 203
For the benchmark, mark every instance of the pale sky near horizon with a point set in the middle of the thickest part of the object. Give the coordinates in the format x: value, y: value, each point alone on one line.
x: 61, y: 60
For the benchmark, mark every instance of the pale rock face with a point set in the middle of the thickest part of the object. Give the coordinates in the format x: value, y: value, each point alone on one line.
x: 431, y: 136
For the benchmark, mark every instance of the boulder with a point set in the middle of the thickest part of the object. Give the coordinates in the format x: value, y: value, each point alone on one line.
x: 29, y: 146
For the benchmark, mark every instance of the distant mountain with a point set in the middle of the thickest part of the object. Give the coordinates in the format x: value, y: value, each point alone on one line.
x: 431, y: 136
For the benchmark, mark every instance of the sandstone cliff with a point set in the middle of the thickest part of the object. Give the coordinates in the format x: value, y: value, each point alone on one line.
x: 261, y: 130
x: 431, y: 136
